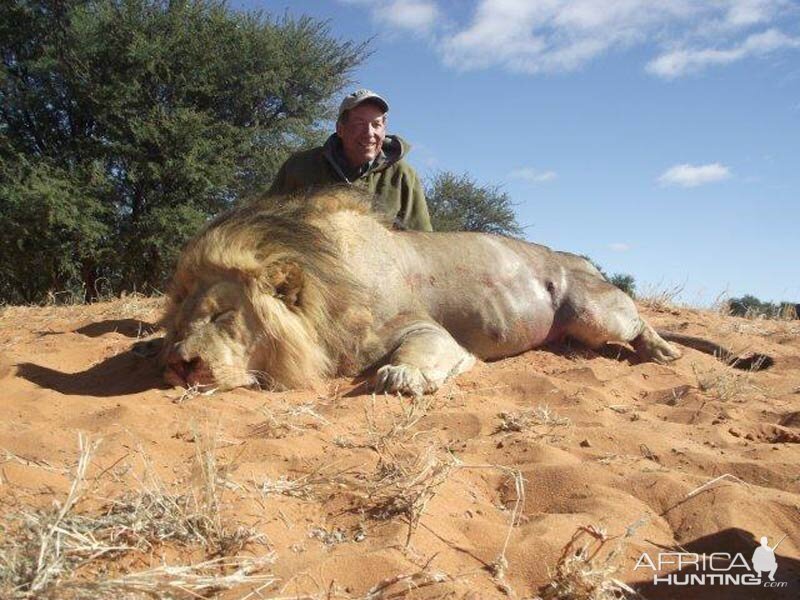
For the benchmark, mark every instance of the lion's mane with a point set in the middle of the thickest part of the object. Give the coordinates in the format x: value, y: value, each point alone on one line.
x: 263, y: 244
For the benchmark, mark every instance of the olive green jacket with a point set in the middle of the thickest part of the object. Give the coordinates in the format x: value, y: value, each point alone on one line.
x: 390, y: 179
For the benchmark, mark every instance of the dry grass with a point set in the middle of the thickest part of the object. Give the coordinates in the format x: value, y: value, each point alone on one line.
x: 192, y: 392
x: 403, y: 483
x: 526, y: 420
x: 136, y: 305
x: 777, y: 330
x: 726, y: 477
x: 410, y: 470
x: 585, y: 572
x: 40, y: 547
x: 397, y: 586
x: 725, y: 383
x: 287, y: 420
x: 388, y: 426
x: 400, y: 585
x: 206, y: 506
x: 53, y: 552
x: 318, y: 484
x: 660, y: 297
x: 182, y: 582
x: 405, y: 478
x: 8, y: 456
x: 499, y: 567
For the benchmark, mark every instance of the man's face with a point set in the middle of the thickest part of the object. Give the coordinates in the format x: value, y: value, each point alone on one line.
x: 362, y: 131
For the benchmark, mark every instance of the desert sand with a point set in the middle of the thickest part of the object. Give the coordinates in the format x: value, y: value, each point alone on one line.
x: 355, y: 496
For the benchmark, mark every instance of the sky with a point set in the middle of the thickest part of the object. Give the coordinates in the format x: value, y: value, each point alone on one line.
x: 660, y: 138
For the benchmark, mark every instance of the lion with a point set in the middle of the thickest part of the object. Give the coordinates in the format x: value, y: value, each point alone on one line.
x: 286, y: 292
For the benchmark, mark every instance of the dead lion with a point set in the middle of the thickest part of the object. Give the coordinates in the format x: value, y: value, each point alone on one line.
x: 284, y: 294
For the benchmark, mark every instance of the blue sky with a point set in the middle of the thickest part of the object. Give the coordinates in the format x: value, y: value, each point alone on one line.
x: 660, y: 138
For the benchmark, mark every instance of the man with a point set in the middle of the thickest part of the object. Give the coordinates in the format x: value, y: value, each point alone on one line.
x: 361, y: 154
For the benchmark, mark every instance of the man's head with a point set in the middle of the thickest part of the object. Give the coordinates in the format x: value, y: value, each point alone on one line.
x: 362, y: 126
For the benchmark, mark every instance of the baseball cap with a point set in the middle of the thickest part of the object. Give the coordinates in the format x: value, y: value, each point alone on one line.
x: 352, y: 100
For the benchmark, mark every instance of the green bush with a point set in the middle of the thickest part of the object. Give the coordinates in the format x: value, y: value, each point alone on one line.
x: 750, y: 306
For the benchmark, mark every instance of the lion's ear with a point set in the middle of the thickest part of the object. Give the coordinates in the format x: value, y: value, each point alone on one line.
x: 287, y: 279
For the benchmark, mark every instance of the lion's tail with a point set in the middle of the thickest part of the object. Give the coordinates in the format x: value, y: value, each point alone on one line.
x: 747, y: 362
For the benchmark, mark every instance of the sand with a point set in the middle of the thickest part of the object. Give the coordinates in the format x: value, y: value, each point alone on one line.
x: 353, y: 492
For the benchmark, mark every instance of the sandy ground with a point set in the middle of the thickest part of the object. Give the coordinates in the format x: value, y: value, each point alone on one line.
x: 351, y: 490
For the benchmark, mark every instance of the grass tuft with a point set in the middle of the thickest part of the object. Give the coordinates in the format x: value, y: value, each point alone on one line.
x: 52, y: 553
x: 725, y: 383
x: 585, y: 572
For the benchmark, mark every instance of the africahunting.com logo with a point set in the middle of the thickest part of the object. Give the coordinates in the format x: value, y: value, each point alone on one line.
x: 717, y: 568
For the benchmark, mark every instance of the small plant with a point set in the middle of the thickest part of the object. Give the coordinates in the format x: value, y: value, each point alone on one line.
x: 320, y: 483
x: 725, y: 383
x: 584, y: 572
x: 660, y: 297
x: 386, y: 426
x: 287, y: 420
x: 403, y: 487
x: 527, y: 420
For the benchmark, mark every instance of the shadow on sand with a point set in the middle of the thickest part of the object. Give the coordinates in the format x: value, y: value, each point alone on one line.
x: 119, y: 375
x: 133, y: 328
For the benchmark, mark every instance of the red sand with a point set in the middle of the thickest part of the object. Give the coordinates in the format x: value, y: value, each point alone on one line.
x: 640, y: 438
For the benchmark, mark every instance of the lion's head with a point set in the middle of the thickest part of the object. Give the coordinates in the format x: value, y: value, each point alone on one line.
x: 260, y: 296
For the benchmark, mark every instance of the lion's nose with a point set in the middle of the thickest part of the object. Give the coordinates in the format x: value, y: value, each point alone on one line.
x: 182, y: 368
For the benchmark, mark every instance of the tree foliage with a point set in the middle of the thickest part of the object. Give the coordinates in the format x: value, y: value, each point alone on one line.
x: 750, y: 306
x: 459, y: 203
x: 125, y: 124
x: 625, y: 282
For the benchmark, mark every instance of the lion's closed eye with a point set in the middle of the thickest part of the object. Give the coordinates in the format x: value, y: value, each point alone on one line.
x: 222, y: 315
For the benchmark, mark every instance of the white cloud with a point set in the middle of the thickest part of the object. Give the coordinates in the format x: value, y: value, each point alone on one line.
x: 546, y: 36
x: 413, y: 15
x: 619, y: 247
x: 563, y: 35
x: 751, y: 12
x: 418, y: 16
x: 681, y: 62
x: 532, y: 175
x: 687, y: 175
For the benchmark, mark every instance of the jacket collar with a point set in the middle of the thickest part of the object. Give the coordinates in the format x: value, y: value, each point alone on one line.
x: 394, y: 148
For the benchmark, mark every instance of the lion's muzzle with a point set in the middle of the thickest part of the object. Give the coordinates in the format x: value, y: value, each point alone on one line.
x: 186, y: 373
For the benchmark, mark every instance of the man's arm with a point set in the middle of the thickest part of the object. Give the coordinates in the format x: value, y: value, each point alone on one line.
x: 416, y: 214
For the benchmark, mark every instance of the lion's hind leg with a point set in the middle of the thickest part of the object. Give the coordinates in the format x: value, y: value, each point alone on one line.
x: 651, y: 346
x: 425, y: 357
x: 597, y: 312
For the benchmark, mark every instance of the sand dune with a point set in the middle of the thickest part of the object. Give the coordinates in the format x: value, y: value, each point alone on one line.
x: 355, y: 493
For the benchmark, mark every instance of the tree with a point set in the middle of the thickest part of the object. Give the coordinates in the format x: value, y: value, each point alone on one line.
x: 459, y: 203
x: 750, y: 306
x: 624, y: 282
x: 126, y: 124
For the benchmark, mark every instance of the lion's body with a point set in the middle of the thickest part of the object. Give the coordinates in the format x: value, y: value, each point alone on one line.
x: 325, y: 287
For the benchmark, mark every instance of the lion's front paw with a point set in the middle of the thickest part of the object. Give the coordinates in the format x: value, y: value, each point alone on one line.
x: 404, y: 379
